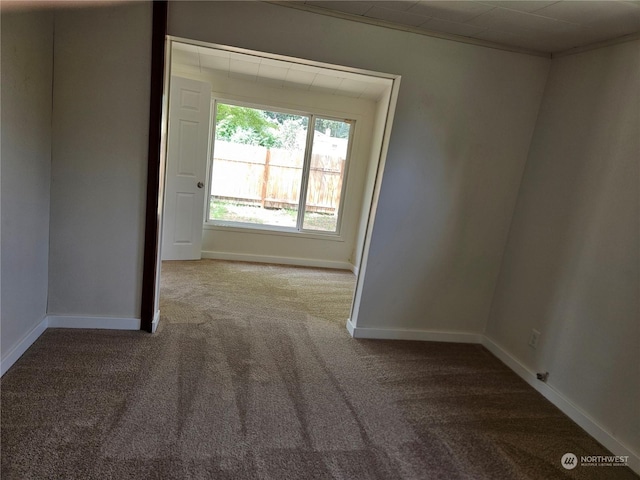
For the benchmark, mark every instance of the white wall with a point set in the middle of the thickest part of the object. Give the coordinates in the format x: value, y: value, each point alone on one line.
x: 98, y: 183
x: 571, y: 266
x: 332, y: 251
x: 375, y: 165
x: 27, y: 48
x: 463, y: 125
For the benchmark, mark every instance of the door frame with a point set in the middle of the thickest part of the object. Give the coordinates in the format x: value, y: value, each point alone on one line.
x: 158, y: 120
x: 155, y: 168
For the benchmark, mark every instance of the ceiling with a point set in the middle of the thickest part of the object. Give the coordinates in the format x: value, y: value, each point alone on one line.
x: 538, y: 26
x: 277, y: 73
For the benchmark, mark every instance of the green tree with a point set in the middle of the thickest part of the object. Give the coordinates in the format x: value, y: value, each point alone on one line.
x: 338, y: 129
x: 245, y: 125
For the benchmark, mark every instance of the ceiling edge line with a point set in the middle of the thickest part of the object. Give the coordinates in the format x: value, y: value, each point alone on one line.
x: 408, y: 28
x: 594, y: 46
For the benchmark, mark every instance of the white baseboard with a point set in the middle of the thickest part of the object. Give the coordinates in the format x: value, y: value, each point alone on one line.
x: 350, y: 327
x: 565, y: 405
x: 18, y: 350
x: 301, y: 262
x: 155, y: 322
x: 355, y: 269
x: 104, y: 323
x: 60, y: 321
x: 410, y: 334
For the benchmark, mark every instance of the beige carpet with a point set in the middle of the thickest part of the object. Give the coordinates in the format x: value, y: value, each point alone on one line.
x: 252, y: 375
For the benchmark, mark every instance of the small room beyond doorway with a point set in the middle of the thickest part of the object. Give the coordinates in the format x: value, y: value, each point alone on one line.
x: 271, y: 160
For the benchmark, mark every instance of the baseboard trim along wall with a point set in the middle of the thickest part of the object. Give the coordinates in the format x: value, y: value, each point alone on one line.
x: 301, y: 262
x: 555, y: 397
x: 411, y: 334
x: 351, y: 328
x: 564, y: 404
x: 155, y: 322
x: 22, y: 346
x: 62, y: 321
x: 104, y: 323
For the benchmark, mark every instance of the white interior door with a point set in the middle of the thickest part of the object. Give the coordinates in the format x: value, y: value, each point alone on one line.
x: 187, y: 150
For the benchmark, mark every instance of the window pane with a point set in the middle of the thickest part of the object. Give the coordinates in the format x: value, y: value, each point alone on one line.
x: 326, y: 174
x: 257, y: 166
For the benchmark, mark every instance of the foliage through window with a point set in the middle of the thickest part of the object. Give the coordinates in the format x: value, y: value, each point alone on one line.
x: 268, y: 170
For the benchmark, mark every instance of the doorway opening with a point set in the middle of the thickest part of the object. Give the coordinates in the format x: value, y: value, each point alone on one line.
x: 271, y: 159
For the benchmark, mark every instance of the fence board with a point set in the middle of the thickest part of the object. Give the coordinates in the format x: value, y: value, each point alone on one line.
x: 272, y: 178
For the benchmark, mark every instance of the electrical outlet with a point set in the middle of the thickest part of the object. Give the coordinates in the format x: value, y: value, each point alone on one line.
x: 534, y: 338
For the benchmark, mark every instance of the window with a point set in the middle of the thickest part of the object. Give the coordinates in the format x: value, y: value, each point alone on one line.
x: 278, y: 170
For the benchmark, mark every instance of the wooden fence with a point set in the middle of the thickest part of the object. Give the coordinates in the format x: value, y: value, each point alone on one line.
x: 272, y: 177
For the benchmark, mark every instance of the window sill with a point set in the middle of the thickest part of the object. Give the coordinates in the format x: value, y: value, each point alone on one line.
x: 275, y: 231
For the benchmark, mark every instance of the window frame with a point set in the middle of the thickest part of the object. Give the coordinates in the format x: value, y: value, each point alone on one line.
x: 299, y: 229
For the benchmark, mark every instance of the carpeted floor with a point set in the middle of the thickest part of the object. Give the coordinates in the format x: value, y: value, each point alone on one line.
x: 252, y: 375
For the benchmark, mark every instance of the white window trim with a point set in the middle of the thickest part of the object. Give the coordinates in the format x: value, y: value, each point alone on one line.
x: 298, y: 231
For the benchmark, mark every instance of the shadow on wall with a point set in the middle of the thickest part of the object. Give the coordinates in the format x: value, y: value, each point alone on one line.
x: 592, y: 278
x: 569, y: 268
x: 462, y: 187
